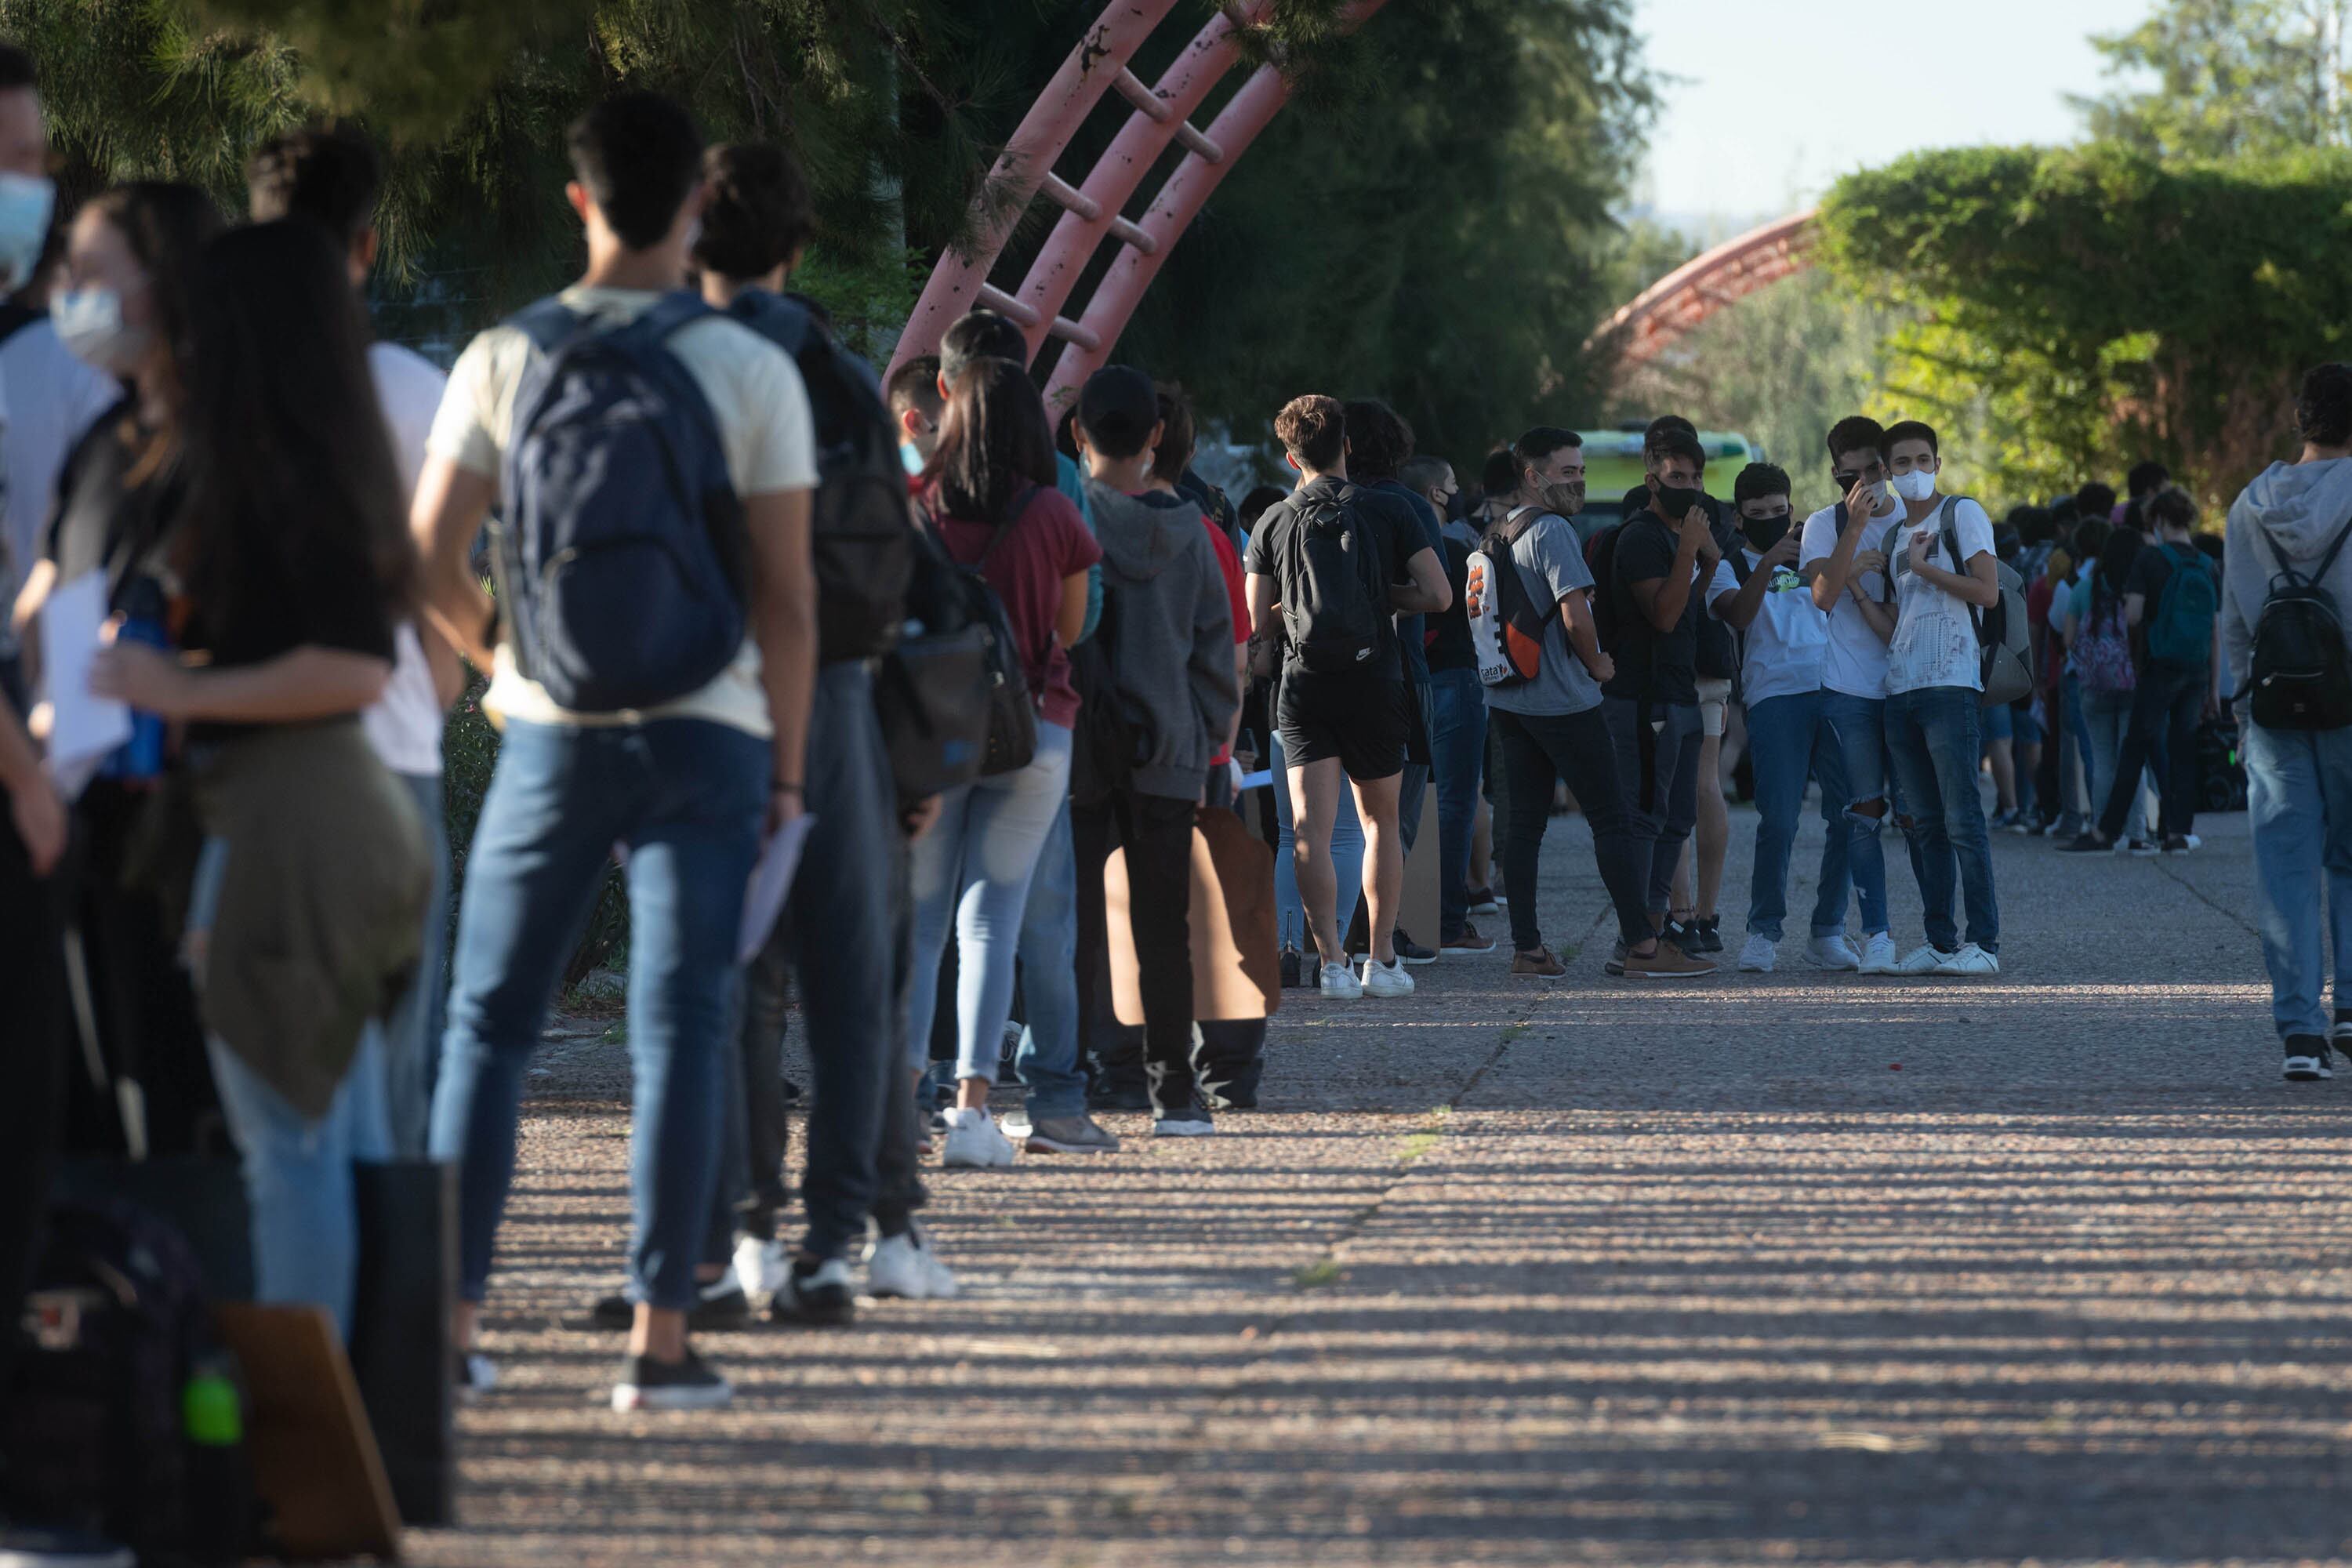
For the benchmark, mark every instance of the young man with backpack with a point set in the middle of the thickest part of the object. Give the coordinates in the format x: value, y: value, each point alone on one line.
x: 1529, y: 595
x: 653, y: 651
x: 1784, y: 639
x: 1842, y: 560
x: 2172, y: 598
x: 1329, y: 568
x: 1456, y: 715
x: 2287, y: 584
x: 1162, y: 706
x: 1944, y: 579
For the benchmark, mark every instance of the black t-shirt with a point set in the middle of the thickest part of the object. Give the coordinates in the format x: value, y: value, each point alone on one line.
x: 1660, y: 665
x: 1389, y: 530
x: 103, y: 521
x: 1449, y: 635
x: 2150, y: 575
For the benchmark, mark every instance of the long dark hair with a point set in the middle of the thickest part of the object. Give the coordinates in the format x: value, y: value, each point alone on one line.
x: 290, y: 466
x: 167, y: 227
x: 995, y: 441
x: 2115, y: 565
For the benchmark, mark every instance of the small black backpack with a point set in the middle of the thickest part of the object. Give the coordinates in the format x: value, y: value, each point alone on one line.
x: 1334, y: 606
x: 1600, y: 560
x: 2301, y: 675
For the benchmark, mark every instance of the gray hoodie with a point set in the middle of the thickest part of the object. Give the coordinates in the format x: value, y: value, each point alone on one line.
x: 1168, y: 629
x: 2294, y: 507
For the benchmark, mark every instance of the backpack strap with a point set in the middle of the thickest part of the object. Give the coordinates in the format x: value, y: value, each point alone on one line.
x: 549, y: 324
x: 1019, y: 512
x: 785, y: 323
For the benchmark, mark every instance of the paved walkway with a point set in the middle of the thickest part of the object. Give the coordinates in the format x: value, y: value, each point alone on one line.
x: 1771, y: 1269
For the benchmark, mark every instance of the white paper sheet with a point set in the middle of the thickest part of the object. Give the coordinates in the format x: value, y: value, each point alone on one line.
x: 83, y: 728
x: 772, y: 878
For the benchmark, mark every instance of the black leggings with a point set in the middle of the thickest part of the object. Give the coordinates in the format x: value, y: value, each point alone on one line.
x: 1574, y: 748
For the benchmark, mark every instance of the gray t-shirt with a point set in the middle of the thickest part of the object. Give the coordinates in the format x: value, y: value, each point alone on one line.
x: 1550, y: 559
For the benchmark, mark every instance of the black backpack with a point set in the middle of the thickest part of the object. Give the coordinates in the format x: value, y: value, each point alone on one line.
x: 2301, y: 675
x: 125, y: 1416
x: 861, y: 531
x: 1600, y: 560
x: 1107, y: 740
x: 1334, y: 604
x: 1008, y: 702
x: 932, y: 691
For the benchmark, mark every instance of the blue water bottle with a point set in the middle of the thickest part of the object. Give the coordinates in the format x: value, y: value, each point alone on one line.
x: 142, y: 756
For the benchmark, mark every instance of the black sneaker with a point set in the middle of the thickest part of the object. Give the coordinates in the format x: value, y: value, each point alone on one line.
x: 1412, y: 952
x: 1710, y: 932
x: 822, y: 1294
x: 2308, y: 1060
x: 1117, y: 1095
x: 1686, y: 935
x: 1192, y: 1122
x: 722, y: 1306
x: 2086, y: 844
x: 685, y: 1384
x: 1616, y: 965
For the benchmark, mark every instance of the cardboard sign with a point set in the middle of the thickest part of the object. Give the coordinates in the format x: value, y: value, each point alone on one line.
x: 1237, y: 957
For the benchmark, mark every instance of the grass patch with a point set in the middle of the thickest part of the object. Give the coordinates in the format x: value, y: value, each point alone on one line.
x: 1322, y: 1272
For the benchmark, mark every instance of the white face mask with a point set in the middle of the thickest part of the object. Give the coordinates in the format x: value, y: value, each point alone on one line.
x: 1916, y: 485
x: 89, y: 323
x: 25, y: 203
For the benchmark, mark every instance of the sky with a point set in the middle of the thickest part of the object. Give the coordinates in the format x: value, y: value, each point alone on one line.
x: 1758, y: 123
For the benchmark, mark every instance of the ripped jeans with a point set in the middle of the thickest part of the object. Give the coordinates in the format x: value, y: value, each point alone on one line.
x: 1859, y: 724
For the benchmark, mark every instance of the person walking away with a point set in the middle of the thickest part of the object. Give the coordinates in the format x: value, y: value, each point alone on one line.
x: 2172, y: 600
x: 2285, y: 549
x: 1457, y: 718
x: 988, y: 492
x: 684, y: 759
x: 1942, y: 579
x: 2107, y: 674
x: 1840, y: 558
x: 296, y: 568
x: 1549, y: 722
x: 1328, y: 569
x: 330, y: 175
x: 1167, y: 706
x: 1784, y: 641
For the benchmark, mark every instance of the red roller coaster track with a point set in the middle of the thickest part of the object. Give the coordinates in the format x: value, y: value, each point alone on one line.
x: 1675, y: 306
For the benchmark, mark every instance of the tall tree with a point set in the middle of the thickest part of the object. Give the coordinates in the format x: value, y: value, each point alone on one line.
x: 2231, y: 77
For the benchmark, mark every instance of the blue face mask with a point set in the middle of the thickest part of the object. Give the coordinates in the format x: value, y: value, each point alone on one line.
x: 25, y: 203
x: 912, y: 456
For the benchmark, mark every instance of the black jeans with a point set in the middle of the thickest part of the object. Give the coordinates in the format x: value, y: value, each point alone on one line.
x: 33, y: 1048
x: 2166, y: 707
x: 1575, y: 748
x: 1157, y: 833
x: 1657, y: 747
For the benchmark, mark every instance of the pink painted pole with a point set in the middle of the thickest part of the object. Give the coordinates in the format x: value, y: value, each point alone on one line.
x: 1114, y: 179
x: 1091, y: 69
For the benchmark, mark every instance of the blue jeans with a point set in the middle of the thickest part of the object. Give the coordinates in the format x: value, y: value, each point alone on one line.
x: 973, y: 871
x: 2106, y: 719
x: 1048, y: 1059
x: 1347, y: 860
x: 1933, y: 740
x: 2299, y: 801
x: 412, y: 1035
x: 1457, y: 750
x: 1787, y: 742
x: 685, y: 797
x: 1857, y: 726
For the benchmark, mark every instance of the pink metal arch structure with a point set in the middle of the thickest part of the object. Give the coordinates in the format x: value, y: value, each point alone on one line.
x: 1675, y: 305
x: 1094, y: 210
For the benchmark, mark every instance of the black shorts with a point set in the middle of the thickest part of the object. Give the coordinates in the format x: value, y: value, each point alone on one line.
x: 1363, y: 723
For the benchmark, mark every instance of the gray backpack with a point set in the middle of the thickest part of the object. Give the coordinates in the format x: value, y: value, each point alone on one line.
x: 2003, y: 633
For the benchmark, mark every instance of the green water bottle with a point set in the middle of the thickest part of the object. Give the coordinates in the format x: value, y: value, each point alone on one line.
x: 212, y: 1411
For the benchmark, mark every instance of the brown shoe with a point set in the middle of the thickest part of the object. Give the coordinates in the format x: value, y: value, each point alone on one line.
x: 1668, y: 963
x: 1469, y: 940
x: 1540, y: 964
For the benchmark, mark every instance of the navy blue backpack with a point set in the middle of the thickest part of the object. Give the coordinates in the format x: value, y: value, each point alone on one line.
x: 621, y: 549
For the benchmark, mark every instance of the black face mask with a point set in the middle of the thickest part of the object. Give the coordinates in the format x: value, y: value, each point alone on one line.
x: 1764, y: 532
x: 1674, y: 505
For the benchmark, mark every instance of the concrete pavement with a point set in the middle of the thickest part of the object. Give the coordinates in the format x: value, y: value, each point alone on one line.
x: 1759, y: 1269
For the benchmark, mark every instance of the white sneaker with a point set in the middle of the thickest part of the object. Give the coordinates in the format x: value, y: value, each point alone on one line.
x: 1339, y: 982
x: 1832, y: 952
x: 1923, y: 959
x: 1878, y: 955
x: 1759, y: 955
x: 909, y: 1268
x: 760, y: 1267
x: 1972, y: 960
x: 1386, y: 979
x: 975, y: 1141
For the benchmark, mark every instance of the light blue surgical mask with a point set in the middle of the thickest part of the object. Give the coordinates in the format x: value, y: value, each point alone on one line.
x: 27, y: 202
x: 89, y: 323
x: 912, y: 456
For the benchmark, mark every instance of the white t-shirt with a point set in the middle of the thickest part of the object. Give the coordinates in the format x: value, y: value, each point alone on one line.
x: 1855, y: 660
x: 50, y: 400
x: 404, y: 726
x: 1935, y: 632
x: 764, y: 425
x: 1787, y: 640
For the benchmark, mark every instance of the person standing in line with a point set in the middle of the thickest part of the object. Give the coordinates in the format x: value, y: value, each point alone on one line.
x: 1551, y: 728
x: 1842, y: 560
x: 1696, y: 917
x: 1328, y: 567
x: 2098, y: 634
x: 1457, y: 718
x: 1784, y: 640
x: 2297, y: 517
x: 1943, y: 578
x: 1169, y: 699
x: 329, y: 175
x: 687, y: 784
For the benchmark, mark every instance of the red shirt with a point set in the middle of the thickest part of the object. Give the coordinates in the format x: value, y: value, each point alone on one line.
x: 1229, y: 562
x: 1047, y: 543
